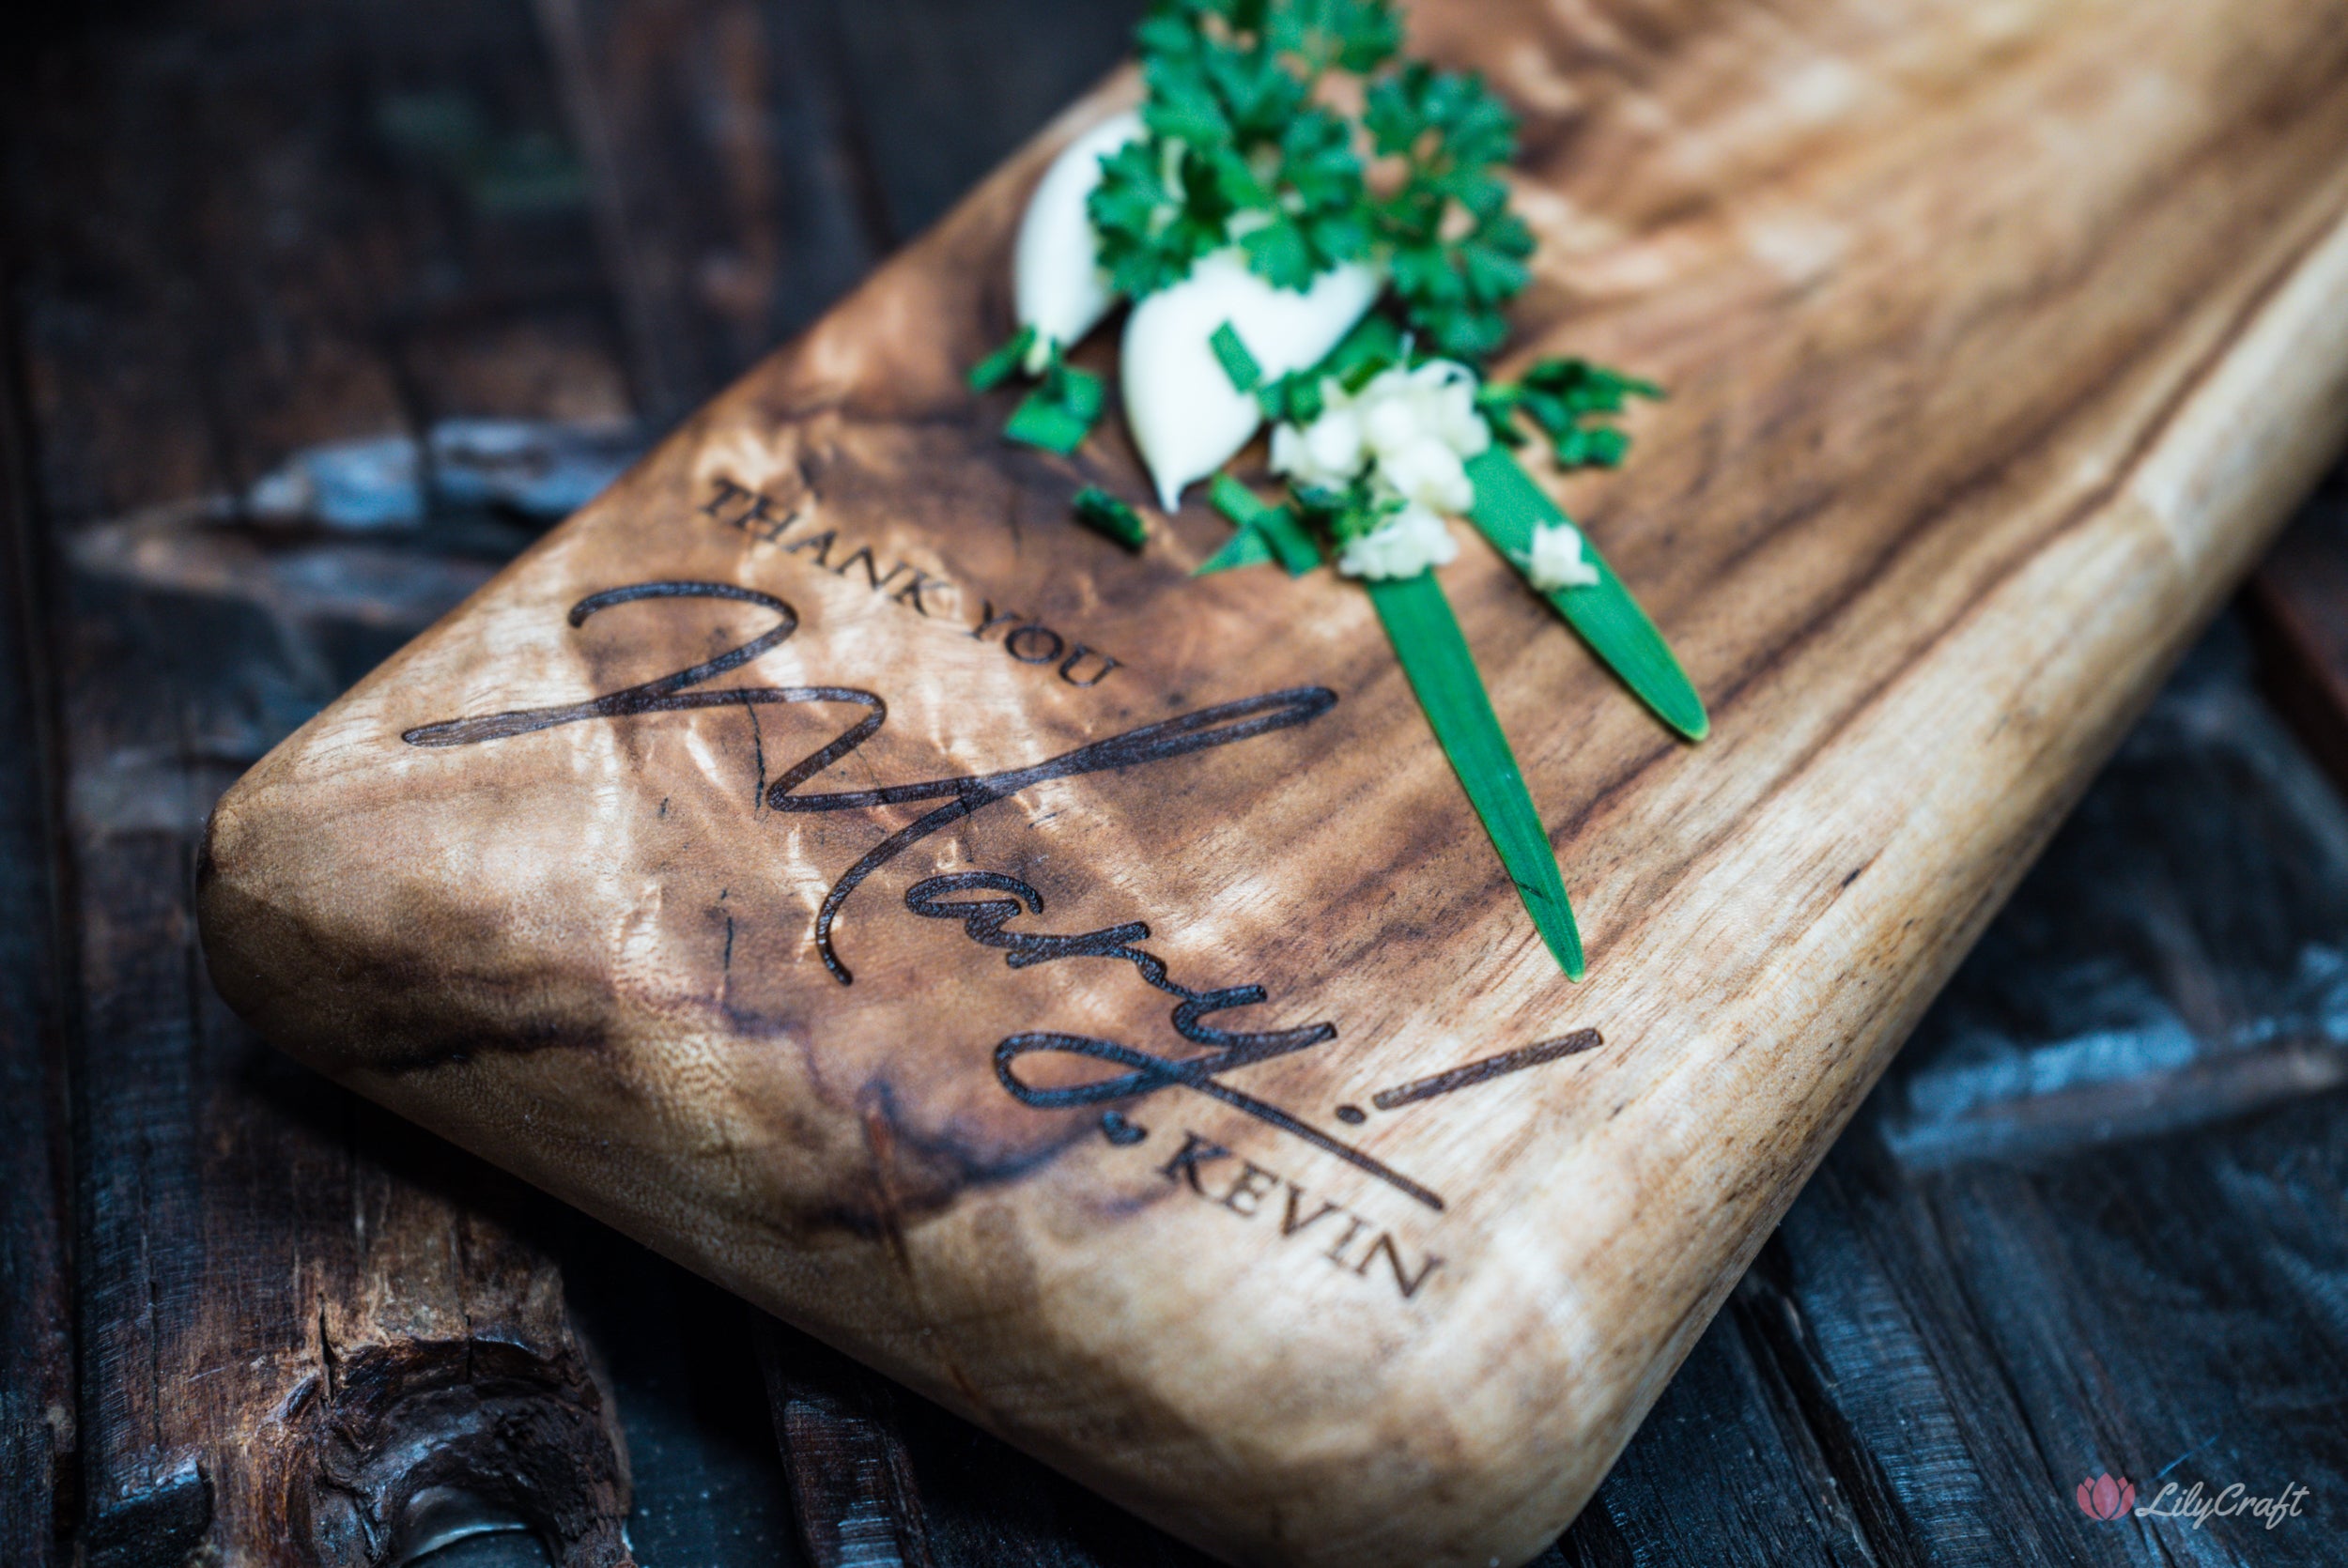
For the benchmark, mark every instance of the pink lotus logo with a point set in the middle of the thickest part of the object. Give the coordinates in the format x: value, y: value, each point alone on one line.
x: 2106, y: 1498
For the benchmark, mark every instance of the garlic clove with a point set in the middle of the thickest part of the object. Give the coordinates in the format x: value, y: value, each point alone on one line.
x: 1058, y: 285
x: 1186, y: 417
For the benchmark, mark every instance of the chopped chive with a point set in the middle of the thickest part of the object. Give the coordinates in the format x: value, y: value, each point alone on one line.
x: 1079, y: 390
x: 1375, y: 344
x: 1563, y: 397
x: 1105, y: 514
x: 999, y: 366
x: 1276, y: 525
x: 1592, y: 446
x: 1508, y: 506
x: 1059, y: 413
x: 1374, y: 340
x: 1237, y: 362
x: 1435, y: 659
x: 1244, y: 548
x: 1039, y: 421
x: 1235, y: 500
x: 1289, y: 541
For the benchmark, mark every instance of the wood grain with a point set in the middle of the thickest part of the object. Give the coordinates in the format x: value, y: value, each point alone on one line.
x: 1999, y: 340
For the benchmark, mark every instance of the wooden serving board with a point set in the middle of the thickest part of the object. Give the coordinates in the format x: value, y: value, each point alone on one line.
x: 703, y: 867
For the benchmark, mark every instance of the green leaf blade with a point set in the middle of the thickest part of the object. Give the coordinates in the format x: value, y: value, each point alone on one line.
x: 1435, y: 659
x: 1508, y: 506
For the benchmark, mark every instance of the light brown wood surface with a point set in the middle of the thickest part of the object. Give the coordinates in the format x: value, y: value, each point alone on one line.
x: 2000, y: 336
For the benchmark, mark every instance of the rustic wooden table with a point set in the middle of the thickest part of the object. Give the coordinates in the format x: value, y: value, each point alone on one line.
x: 315, y: 312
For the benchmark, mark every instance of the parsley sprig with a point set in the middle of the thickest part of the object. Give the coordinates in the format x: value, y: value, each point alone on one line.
x: 1241, y: 149
x: 1237, y: 148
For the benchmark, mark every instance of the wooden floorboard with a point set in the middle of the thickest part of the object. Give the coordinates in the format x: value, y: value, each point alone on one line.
x: 39, y: 1483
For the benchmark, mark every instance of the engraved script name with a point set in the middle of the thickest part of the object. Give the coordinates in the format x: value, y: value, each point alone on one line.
x: 987, y: 902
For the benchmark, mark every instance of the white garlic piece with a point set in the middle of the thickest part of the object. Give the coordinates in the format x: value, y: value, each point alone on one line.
x: 1327, y: 454
x: 1186, y: 416
x: 1428, y: 473
x: 1057, y: 285
x: 1556, y: 561
x: 1410, y: 542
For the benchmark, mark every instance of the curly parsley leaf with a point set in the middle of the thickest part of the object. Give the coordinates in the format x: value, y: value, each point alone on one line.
x: 1358, y: 35
x: 1233, y: 134
x: 1311, y: 204
x: 1156, y: 214
x: 1458, y: 253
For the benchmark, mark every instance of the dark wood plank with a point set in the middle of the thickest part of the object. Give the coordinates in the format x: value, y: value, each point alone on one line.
x: 944, y: 90
x: 731, y: 202
x: 36, y: 1393
x: 2298, y: 607
x: 285, y: 263
x: 308, y: 1331
x: 709, y: 1485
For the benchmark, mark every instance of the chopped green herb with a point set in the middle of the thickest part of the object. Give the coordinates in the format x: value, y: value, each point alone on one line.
x: 1566, y: 398
x: 1373, y: 344
x: 1349, y: 513
x: 1105, y: 514
x: 1289, y: 541
x: 1041, y: 423
x: 1005, y: 362
x: 1276, y: 525
x: 1059, y: 413
x: 1243, y: 148
x: 1235, y: 500
x: 1245, y: 548
x: 1237, y: 362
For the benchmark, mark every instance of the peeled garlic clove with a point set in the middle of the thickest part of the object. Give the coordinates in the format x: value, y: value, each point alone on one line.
x: 1058, y: 285
x: 1186, y: 417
